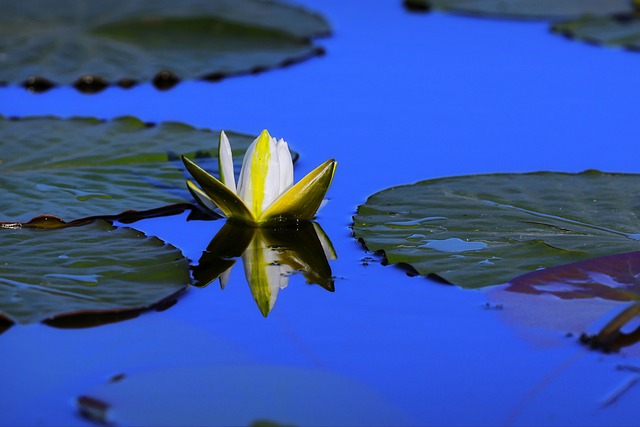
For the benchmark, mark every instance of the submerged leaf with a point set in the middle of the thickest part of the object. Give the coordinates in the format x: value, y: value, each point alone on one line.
x: 91, y: 44
x: 83, y: 167
x: 483, y: 230
x: 92, y: 269
x: 596, y: 299
x: 613, y: 277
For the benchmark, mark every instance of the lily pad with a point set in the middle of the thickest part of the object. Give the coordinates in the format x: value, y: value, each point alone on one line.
x: 93, y: 269
x: 617, y: 31
x: 91, y: 44
x: 80, y: 167
x: 483, y: 230
x: 524, y: 9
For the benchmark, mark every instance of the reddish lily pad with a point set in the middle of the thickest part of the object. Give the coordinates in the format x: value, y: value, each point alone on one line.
x: 614, y: 277
x: 596, y: 299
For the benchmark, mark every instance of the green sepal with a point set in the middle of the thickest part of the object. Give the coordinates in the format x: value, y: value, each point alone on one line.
x: 225, y: 199
x: 201, y: 197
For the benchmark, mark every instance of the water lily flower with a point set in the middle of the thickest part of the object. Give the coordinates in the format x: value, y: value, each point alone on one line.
x: 265, y: 193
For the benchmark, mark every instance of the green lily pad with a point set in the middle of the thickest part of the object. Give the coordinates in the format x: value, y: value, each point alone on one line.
x: 91, y: 44
x: 82, y: 167
x: 93, y: 269
x: 482, y: 230
x: 616, y: 31
x: 524, y: 9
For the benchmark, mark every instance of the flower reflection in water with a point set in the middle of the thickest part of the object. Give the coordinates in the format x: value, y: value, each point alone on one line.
x: 269, y: 257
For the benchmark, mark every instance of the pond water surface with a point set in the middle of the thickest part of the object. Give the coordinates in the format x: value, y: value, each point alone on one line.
x: 398, y: 98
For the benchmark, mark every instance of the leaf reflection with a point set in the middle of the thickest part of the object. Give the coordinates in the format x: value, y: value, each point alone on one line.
x: 269, y: 257
x: 597, y: 298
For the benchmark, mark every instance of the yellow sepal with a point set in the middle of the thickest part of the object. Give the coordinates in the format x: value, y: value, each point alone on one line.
x: 218, y: 193
x: 301, y: 201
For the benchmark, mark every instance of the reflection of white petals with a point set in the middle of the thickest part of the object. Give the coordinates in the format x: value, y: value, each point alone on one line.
x: 273, y: 272
x: 224, y: 278
x: 285, y: 272
x: 327, y: 246
x: 271, y: 256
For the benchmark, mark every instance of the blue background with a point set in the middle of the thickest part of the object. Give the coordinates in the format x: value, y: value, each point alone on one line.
x: 398, y: 98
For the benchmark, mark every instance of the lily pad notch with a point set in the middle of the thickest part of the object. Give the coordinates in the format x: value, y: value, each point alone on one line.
x: 93, y: 45
x: 613, y: 23
x: 482, y: 230
x: 77, y: 269
x: 90, y: 274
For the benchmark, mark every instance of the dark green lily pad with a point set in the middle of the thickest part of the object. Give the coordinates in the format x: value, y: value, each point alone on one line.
x: 83, y: 167
x: 92, y: 43
x: 524, y: 9
x: 482, y: 230
x: 93, y: 269
x: 616, y: 31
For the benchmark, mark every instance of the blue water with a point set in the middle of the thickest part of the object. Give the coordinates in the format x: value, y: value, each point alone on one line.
x: 398, y: 98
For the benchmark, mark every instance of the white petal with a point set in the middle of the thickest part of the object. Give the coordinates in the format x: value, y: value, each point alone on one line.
x: 286, y: 166
x: 225, y: 163
x: 245, y: 170
x: 259, y: 182
x: 272, y: 184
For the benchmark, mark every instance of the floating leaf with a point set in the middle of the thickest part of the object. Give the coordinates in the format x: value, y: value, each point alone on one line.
x: 84, y: 167
x: 239, y: 395
x: 92, y: 44
x: 92, y: 269
x: 484, y: 230
x: 524, y: 9
x: 617, y: 30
